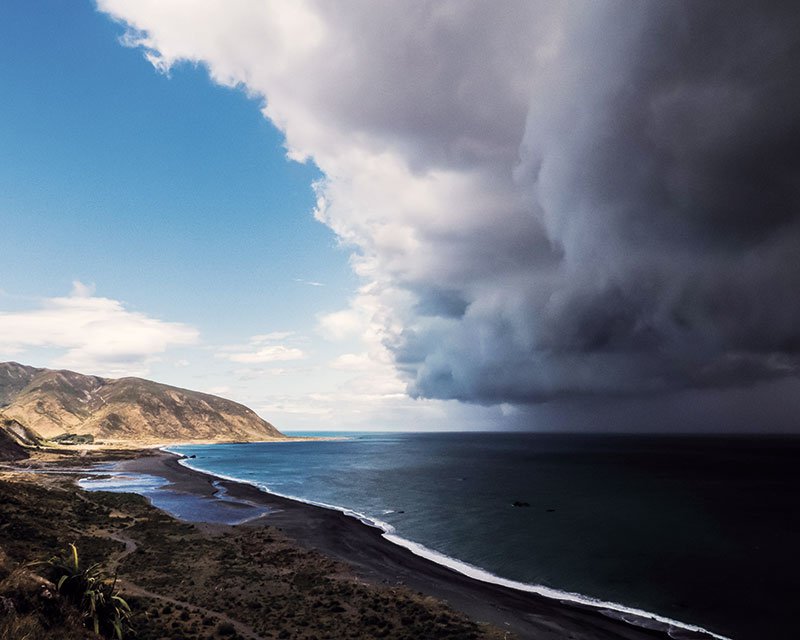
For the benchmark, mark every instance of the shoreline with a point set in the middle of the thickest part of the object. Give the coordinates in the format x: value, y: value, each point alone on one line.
x: 380, y: 558
x: 636, y: 617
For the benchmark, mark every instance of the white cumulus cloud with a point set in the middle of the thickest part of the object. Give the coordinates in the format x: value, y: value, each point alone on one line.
x: 91, y: 334
x: 261, y: 349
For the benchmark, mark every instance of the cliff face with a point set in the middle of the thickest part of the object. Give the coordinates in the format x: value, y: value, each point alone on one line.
x: 130, y: 409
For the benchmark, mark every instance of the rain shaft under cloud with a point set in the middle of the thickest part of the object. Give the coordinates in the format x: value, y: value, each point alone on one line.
x: 545, y: 200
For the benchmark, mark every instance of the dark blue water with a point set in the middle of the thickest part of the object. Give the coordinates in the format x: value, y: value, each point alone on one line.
x: 221, y: 508
x: 701, y: 530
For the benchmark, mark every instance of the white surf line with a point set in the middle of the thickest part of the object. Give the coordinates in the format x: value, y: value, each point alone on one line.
x: 471, y: 571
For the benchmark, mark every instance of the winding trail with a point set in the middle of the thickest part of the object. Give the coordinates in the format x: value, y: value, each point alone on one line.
x: 131, y: 588
x: 241, y: 629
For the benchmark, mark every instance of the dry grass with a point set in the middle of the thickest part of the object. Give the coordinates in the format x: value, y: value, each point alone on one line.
x: 200, y: 583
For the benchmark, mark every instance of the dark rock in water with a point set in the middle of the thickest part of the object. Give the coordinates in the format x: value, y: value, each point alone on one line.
x: 192, y: 456
x: 519, y: 503
x: 401, y: 511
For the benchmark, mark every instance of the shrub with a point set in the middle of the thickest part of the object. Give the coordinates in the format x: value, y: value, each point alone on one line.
x: 226, y: 629
x: 95, y: 596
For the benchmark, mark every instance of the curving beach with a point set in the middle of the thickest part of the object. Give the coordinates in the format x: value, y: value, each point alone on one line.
x: 376, y: 560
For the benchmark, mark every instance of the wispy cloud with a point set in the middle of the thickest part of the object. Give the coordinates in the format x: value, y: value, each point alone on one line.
x: 82, y: 290
x: 276, y: 353
x: 310, y: 283
x: 262, y: 349
x: 219, y: 390
x: 272, y: 336
x: 94, y: 334
x: 352, y: 362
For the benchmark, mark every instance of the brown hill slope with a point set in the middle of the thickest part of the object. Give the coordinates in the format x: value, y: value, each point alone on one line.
x: 20, y: 433
x: 10, y: 449
x: 128, y: 409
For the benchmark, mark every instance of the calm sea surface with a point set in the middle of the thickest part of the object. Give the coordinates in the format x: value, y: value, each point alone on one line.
x: 701, y: 530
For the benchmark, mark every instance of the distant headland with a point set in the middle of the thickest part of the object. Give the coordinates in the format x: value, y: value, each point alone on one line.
x: 39, y: 406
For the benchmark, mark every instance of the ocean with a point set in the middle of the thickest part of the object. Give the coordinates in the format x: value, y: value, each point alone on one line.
x: 702, y: 530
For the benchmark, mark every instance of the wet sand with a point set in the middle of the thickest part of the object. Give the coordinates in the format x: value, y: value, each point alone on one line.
x: 375, y: 559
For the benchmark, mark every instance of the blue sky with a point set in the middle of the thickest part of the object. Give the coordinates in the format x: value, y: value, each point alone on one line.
x: 167, y: 193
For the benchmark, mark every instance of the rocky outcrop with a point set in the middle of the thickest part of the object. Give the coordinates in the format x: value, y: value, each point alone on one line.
x: 10, y: 449
x: 19, y: 432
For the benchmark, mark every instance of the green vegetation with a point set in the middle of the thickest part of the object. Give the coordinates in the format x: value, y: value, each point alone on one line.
x: 60, y: 601
x: 73, y: 438
x: 103, y: 609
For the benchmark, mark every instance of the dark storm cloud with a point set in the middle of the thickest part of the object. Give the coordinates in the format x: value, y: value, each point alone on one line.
x: 662, y: 158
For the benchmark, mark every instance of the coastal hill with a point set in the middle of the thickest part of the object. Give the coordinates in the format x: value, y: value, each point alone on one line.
x: 51, y: 403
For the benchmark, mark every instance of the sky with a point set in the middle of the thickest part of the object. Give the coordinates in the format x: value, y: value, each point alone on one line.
x: 411, y: 215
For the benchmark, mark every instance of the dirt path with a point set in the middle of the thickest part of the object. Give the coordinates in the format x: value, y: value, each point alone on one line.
x: 131, y: 588
x: 135, y: 590
x: 116, y: 559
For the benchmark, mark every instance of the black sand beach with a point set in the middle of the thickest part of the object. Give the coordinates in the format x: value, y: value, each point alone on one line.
x: 376, y: 560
